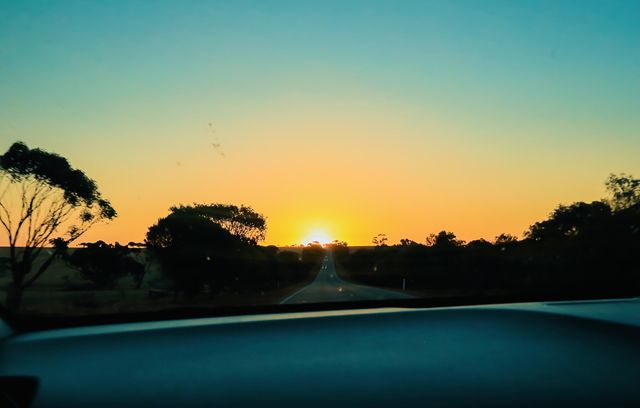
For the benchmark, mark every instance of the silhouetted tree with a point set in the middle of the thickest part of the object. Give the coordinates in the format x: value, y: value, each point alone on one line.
x: 570, y: 221
x: 193, y: 250
x: 505, y: 239
x: 241, y: 221
x: 43, y: 201
x: 443, y: 239
x: 581, y: 249
x: 288, y: 257
x: 624, y: 191
x: 312, y: 253
x: 407, y: 242
x: 479, y: 244
x: 103, y: 264
x: 380, y: 240
x: 338, y: 248
x: 337, y: 243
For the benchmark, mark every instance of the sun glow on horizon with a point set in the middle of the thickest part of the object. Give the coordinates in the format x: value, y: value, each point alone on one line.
x: 317, y: 235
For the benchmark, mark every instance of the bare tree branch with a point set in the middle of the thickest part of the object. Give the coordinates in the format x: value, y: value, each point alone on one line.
x: 40, y: 194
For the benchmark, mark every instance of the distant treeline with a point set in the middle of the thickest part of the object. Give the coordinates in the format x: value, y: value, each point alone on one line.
x: 47, y: 205
x: 198, y: 248
x: 590, y: 248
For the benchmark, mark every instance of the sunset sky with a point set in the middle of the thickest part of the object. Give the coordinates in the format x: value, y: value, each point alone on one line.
x: 348, y: 118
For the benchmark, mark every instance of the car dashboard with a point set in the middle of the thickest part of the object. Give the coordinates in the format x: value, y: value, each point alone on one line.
x: 582, y: 353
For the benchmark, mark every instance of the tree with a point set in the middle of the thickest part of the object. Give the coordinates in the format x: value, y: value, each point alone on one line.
x: 624, y: 191
x: 241, y: 221
x: 336, y: 243
x: 43, y: 201
x: 407, y: 242
x: 103, y: 264
x: 312, y: 253
x: 479, y: 244
x: 505, y: 239
x: 192, y: 250
x: 570, y: 221
x: 380, y: 240
x: 339, y: 248
x: 443, y: 239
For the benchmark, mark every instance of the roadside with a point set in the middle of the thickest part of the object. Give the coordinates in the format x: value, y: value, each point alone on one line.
x: 62, y: 292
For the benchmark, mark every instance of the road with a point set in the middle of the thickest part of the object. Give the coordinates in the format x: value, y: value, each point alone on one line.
x: 328, y: 287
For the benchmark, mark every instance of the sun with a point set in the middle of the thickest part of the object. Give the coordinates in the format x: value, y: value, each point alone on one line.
x: 317, y: 235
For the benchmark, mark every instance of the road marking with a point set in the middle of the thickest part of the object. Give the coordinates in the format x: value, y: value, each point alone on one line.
x: 354, y: 291
x: 288, y: 298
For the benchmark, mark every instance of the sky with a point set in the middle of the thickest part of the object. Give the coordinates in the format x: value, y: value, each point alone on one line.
x: 342, y: 119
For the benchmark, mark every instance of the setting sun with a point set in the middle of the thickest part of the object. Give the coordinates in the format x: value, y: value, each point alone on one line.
x: 317, y: 235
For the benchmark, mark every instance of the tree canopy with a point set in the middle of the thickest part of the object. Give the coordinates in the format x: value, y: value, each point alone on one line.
x: 570, y: 221
x: 624, y: 191
x: 21, y: 164
x: 188, y: 231
x: 241, y: 221
x: 43, y: 201
x: 444, y: 239
x: 103, y: 264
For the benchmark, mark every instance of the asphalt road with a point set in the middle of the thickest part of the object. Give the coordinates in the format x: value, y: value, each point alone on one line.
x: 328, y: 287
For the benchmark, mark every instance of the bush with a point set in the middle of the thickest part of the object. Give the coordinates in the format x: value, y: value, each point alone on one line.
x: 104, y: 264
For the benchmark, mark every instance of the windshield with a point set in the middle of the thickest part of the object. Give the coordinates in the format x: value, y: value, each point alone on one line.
x: 161, y: 154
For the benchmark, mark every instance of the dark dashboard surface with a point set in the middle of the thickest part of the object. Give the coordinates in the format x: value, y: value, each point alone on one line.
x: 534, y: 354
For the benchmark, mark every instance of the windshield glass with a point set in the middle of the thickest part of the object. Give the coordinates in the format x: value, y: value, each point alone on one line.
x: 166, y: 154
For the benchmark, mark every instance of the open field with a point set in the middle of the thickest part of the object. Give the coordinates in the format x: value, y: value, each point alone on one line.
x: 62, y: 290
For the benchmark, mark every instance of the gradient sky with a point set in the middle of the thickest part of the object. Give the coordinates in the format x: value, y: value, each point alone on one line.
x: 352, y: 117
